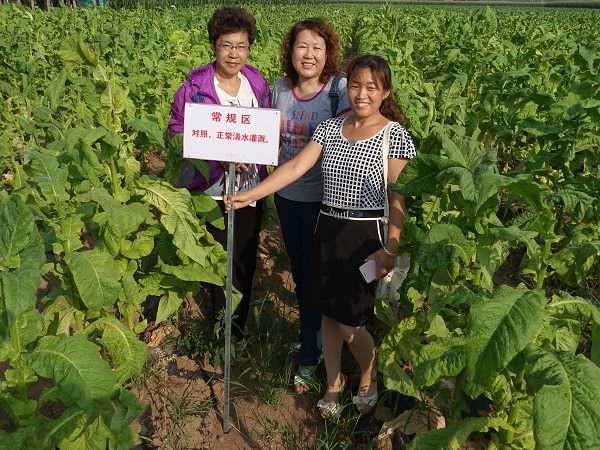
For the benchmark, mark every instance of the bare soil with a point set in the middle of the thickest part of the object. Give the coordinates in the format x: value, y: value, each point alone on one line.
x: 183, y: 395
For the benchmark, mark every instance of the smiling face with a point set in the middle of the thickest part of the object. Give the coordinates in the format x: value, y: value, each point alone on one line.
x: 231, y: 51
x: 365, y: 93
x: 309, y: 55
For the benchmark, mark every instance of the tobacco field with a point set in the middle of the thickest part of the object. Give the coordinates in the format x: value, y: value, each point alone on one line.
x: 504, y: 106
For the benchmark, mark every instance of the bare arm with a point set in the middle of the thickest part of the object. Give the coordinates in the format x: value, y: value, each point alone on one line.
x: 283, y: 175
x: 396, y: 220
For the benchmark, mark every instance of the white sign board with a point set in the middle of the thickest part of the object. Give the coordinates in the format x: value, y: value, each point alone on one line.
x: 231, y: 133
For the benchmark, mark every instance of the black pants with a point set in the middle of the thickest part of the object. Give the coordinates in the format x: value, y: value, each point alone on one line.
x: 247, y: 223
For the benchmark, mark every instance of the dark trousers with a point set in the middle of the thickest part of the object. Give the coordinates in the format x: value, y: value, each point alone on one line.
x: 246, y: 226
x: 298, y: 221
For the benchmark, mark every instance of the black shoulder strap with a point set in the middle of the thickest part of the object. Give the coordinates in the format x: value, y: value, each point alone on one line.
x: 334, y: 94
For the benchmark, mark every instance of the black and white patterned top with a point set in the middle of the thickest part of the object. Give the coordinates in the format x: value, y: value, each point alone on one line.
x: 353, y: 170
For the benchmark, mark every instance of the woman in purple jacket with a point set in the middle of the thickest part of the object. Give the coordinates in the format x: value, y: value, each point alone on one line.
x: 228, y: 80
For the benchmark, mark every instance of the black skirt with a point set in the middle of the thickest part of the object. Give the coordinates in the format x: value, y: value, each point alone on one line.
x: 337, y: 289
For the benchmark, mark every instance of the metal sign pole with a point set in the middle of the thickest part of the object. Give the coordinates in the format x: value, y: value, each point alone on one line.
x: 227, y: 374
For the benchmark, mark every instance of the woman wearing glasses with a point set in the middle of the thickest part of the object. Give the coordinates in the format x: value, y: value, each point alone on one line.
x: 228, y: 80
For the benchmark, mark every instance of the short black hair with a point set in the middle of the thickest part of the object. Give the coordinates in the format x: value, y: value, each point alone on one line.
x: 231, y: 19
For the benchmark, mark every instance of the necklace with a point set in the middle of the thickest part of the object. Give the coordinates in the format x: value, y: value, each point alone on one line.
x: 234, y: 91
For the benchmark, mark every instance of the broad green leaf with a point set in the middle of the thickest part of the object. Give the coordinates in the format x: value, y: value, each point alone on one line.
x: 29, y: 327
x: 127, y: 353
x: 488, y: 185
x: 460, y: 177
x: 531, y: 192
x: 51, y: 177
x: 142, y: 245
x: 75, y: 50
x: 95, y: 276
x: 87, y: 163
x: 150, y: 130
x: 202, y: 167
x: 122, y: 220
x: 88, y: 436
x: 460, y: 296
x: 499, y: 330
x: 178, y: 217
x: 20, y: 243
x: 132, y: 169
x: 27, y: 126
x: 16, y: 225
x: 17, y: 293
x: 491, y: 254
x: 578, y: 306
x: 419, y: 176
x: 16, y: 439
x: 443, y: 358
x: 398, y: 346
x: 56, y: 88
x: 69, y: 233
x: 62, y: 427
x: 443, y: 244
x: 513, y: 236
x: 58, y: 316
x: 454, y: 436
x: 464, y: 150
x: 575, y: 204
x: 208, y: 208
x: 169, y: 304
x: 452, y: 92
x: 595, y: 353
x: 438, y: 328
x: 130, y: 298
x: 575, y: 259
x: 567, y: 400
x: 128, y: 408
x: 73, y: 363
x: 193, y: 272
x: 535, y: 127
x: 74, y: 136
x: 385, y: 313
x: 492, y: 20
x: 500, y: 392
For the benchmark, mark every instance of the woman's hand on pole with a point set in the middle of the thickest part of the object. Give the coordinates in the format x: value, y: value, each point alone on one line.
x: 239, y: 167
x: 239, y: 200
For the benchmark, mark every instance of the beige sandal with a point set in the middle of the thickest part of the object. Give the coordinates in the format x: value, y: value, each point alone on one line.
x: 330, y: 409
x: 304, y: 379
x: 365, y: 403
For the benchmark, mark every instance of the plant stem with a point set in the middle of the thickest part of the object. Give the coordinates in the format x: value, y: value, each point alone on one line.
x: 16, y: 344
x: 513, y: 413
x: 477, y: 274
x: 79, y: 320
x: 115, y: 185
x: 437, y: 201
x: 541, y: 275
x: 113, y: 172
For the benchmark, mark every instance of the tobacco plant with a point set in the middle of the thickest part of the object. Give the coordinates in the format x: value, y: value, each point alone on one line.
x: 81, y: 215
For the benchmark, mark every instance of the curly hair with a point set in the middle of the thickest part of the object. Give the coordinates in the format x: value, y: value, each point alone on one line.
x: 332, y: 44
x: 231, y: 19
x: 382, y: 74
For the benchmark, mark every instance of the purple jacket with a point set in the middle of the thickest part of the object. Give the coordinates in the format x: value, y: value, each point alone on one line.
x: 200, y: 88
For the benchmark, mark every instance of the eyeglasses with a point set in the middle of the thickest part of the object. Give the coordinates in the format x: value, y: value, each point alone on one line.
x: 227, y: 47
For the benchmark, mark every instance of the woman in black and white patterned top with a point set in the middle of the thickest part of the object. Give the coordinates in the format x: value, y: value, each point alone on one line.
x: 349, y: 229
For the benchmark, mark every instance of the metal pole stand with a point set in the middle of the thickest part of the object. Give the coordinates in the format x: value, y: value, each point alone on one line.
x: 228, y: 312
